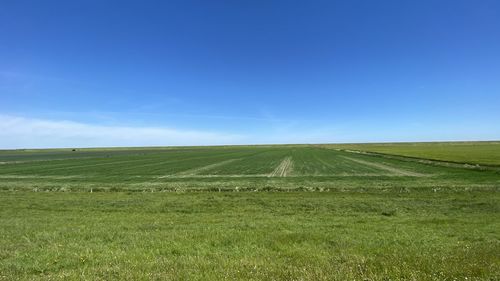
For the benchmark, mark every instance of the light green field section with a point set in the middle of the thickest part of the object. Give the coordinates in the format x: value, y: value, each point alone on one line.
x: 487, y: 153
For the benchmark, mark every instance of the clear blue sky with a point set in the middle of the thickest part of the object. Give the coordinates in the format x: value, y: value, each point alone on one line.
x: 116, y: 73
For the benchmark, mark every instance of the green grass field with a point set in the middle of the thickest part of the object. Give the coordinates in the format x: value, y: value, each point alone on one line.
x: 247, y: 212
x: 485, y: 153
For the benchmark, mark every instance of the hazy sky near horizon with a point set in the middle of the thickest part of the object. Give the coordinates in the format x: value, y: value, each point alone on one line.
x: 137, y: 73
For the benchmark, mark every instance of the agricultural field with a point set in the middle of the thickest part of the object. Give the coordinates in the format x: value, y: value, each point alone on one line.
x: 482, y: 153
x: 294, y: 212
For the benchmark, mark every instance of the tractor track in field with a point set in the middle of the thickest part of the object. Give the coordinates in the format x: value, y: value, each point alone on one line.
x: 381, y: 166
x: 283, y: 169
x: 195, y: 171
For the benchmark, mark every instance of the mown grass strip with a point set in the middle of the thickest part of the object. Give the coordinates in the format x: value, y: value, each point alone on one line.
x: 381, y: 166
x: 283, y: 169
x: 195, y: 171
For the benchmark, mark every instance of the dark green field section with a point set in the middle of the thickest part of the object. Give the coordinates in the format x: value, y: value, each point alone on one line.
x: 222, y: 168
x: 305, y: 161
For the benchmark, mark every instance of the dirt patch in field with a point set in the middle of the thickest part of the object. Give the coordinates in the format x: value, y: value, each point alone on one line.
x: 283, y: 169
x: 386, y: 168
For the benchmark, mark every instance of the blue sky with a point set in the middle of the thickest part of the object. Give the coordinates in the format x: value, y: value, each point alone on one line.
x: 122, y: 73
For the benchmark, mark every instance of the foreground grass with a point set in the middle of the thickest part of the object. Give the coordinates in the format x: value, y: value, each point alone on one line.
x: 464, y: 152
x: 350, y: 235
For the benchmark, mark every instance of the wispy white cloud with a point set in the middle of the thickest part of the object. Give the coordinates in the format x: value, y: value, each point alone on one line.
x: 21, y: 132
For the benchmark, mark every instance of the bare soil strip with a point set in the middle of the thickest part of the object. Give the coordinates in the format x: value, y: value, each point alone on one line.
x: 386, y: 168
x: 192, y: 172
x: 283, y: 169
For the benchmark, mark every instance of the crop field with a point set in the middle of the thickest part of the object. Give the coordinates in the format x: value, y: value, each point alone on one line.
x: 483, y: 153
x: 291, y: 212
